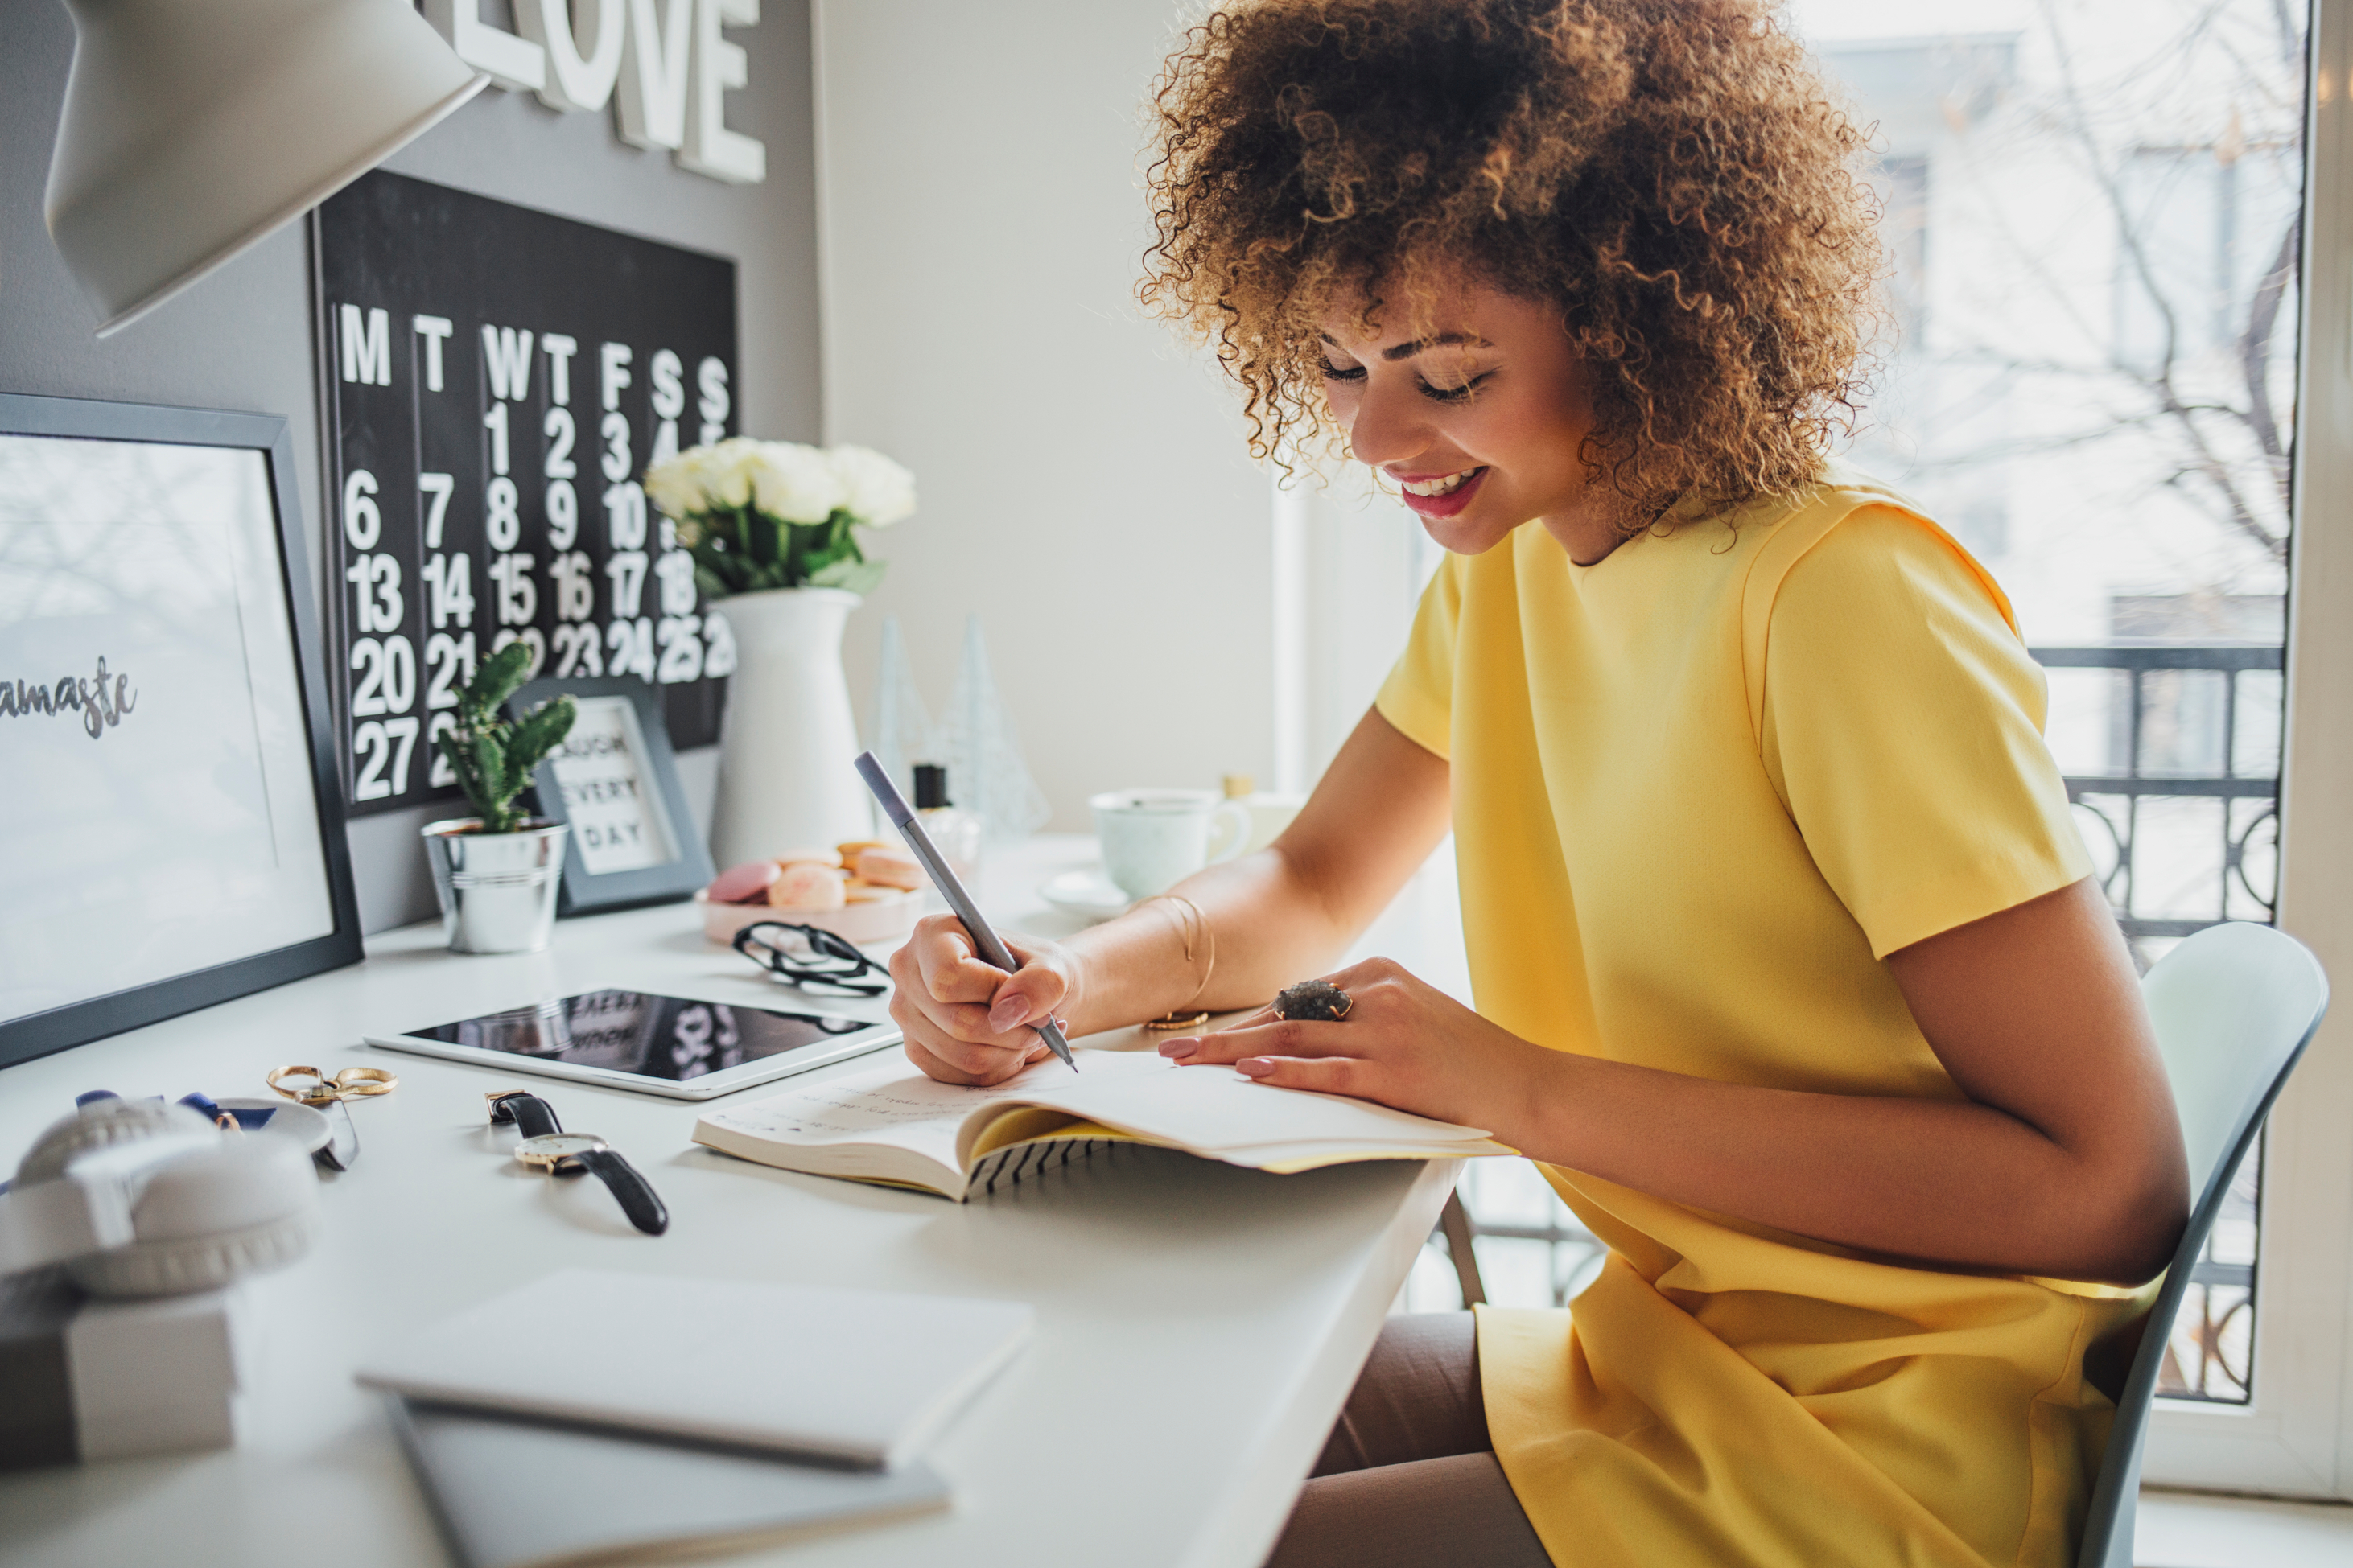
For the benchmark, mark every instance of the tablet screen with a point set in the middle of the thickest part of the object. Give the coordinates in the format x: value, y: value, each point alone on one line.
x: 653, y: 1036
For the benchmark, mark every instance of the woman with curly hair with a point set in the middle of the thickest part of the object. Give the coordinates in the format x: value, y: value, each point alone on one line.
x: 1791, y: 971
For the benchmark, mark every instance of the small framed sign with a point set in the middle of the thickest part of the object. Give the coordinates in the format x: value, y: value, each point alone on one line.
x: 614, y: 783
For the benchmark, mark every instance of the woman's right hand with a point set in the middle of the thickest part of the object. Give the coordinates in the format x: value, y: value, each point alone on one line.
x: 969, y: 1022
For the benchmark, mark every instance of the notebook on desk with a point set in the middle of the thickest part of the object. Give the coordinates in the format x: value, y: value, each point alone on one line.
x: 856, y: 1377
x: 515, y: 1493
x: 892, y: 1125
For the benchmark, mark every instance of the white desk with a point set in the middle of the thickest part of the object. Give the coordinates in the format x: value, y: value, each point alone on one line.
x: 1198, y: 1325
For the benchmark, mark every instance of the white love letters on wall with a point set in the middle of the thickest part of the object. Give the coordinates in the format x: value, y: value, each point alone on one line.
x: 664, y: 66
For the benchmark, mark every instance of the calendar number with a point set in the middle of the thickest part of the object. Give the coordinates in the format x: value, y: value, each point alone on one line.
x: 575, y: 587
x: 377, y: 744
x: 518, y: 595
x: 629, y: 649
x: 387, y: 676
x: 449, y: 589
x: 682, y: 649
x: 579, y: 651
x: 718, y: 647
x: 363, y: 523
x: 376, y: 604
x: 451, y: 661
x: 434, y: 490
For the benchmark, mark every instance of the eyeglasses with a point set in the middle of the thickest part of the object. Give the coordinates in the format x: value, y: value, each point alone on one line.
x: 810, y: 957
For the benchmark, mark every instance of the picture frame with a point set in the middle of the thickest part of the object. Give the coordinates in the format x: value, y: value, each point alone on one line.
x: 171, y: 820
x: 614, y: 782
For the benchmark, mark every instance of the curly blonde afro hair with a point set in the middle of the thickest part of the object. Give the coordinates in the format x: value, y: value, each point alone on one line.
x: 1670, y: 175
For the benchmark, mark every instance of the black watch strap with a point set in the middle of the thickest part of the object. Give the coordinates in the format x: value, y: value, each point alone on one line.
x: 532, y: 1115
x: 636, y: 1196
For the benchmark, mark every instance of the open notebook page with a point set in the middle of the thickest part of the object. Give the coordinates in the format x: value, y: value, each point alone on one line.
x: 894, y: 1100
x: 1215, y: 1107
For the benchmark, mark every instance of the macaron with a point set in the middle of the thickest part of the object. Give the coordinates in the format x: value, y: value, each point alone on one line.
x: 745, y: 884
x: 803, y: 886
x: 890, y: 868
x: 809, y: 857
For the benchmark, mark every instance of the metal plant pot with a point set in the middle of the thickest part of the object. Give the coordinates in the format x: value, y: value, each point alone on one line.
x: 497, y: 889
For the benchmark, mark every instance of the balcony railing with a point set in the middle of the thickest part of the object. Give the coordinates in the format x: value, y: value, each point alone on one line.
x: 2182, y: 824
x: 2177, y: 736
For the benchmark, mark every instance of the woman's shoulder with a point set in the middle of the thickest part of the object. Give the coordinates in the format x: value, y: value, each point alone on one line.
x: 1853, y: 573
x: 1851, y: 541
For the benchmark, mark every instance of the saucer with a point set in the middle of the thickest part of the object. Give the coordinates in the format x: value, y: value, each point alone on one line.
x: 1088, y: 894
x: 305, y: 1125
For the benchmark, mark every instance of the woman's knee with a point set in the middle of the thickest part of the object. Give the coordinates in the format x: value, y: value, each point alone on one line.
x: 1459, y: 1509
x: 1416, y: 1398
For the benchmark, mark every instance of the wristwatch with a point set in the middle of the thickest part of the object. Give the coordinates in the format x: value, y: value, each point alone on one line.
x: 548, y: 1148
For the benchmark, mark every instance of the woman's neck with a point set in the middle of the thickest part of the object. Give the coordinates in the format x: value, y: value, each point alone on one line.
x: 1596, y: 522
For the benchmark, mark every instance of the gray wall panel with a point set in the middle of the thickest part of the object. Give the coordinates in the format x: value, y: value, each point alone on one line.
x: 242, y: 339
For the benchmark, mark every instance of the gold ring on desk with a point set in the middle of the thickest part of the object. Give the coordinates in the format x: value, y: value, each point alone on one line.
x: 351, y: 1083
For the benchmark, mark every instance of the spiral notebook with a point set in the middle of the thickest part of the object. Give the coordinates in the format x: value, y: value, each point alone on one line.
x: 854, y: 1377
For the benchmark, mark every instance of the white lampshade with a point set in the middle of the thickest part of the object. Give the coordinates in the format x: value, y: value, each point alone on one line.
x: 193, y: 127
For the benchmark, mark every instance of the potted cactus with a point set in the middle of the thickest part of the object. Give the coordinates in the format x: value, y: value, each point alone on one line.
x: 497, y: 873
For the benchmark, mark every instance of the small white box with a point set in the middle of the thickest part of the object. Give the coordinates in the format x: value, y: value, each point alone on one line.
x: 156, y: 1376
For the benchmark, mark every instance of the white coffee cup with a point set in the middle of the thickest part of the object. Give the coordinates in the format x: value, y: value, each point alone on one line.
x: 1154, y: 838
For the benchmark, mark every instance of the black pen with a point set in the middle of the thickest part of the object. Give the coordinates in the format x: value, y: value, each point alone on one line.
x: 911, y: 828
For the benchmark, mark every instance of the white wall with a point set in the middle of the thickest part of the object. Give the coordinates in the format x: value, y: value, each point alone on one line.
x: 1085, y: 484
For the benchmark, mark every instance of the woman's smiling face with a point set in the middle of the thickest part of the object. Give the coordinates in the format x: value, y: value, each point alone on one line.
x: 1479, y: 421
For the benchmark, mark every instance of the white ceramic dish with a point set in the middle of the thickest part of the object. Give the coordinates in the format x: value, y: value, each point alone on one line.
x: 884, y: 919
x: 307, y: 1125
x: 1088, y: 894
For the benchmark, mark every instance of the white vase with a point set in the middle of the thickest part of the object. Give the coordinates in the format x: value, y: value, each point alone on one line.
x: 787, y: 779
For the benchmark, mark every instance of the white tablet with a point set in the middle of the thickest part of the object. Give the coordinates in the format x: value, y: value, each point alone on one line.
x: 670, y: 1046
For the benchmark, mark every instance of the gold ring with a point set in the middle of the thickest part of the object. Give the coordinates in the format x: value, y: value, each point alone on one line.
x: 317, y: 1093
x: 1175, y: 1021
x: 366, y: 1081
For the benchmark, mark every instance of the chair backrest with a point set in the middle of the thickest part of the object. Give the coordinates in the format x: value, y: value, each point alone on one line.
x: 2233, y: 1006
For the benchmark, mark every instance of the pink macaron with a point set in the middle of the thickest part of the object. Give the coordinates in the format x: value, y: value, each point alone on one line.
x: 745, y: 884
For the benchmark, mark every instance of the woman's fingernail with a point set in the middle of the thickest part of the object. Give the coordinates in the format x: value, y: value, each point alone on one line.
x: 1008, y: 1011
x: 1255, y: 1067
x: 1179, y: 1048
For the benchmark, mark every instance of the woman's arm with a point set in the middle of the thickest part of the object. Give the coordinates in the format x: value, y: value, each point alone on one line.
x: 1288, y: 910
x: 2065, y: 1160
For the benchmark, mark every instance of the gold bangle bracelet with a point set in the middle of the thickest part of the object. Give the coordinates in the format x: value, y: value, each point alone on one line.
x: 1182, y: 1017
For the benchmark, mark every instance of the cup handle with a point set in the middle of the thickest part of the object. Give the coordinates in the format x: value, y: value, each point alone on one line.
x: 1237, y: 818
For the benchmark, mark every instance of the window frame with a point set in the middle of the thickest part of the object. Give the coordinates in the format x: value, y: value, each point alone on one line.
x: 2294, y: 1435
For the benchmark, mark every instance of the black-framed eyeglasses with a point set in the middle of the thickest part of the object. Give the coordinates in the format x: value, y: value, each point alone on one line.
x: 810, y: 957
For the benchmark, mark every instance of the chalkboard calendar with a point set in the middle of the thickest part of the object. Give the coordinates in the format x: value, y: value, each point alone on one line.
x: 495, y: 382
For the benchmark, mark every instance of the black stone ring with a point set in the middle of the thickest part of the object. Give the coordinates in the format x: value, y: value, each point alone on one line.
x: 1316, y: 1000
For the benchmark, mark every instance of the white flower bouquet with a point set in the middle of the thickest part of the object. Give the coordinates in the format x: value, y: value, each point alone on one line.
x: 778, y: 514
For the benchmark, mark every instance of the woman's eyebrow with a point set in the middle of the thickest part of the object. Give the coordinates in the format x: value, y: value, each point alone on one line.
x: 1407, y: 350
x: 1443, y: 340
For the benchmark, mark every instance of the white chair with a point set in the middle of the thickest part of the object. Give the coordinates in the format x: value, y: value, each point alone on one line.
x: 2234, y: 1007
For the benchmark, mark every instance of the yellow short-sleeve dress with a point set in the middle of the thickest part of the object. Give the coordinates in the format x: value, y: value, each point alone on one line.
x: 1701, y: 789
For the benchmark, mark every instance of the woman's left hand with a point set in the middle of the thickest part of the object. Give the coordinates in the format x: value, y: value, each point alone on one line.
x: 1404, y: 1044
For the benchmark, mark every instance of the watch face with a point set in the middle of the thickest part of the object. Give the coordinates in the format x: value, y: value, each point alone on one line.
x: 557, y: 1146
